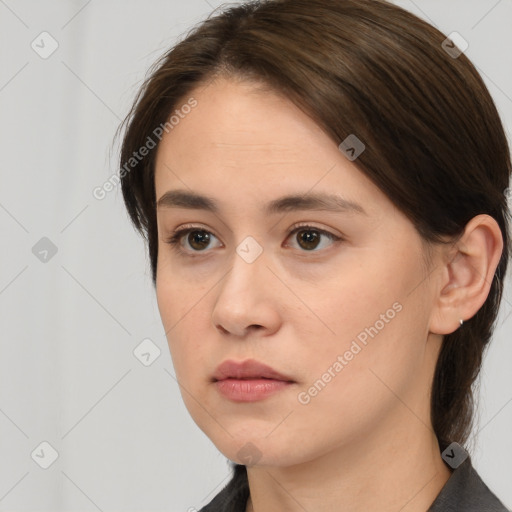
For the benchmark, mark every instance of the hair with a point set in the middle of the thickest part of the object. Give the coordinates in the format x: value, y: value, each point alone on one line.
x: 435, y: 144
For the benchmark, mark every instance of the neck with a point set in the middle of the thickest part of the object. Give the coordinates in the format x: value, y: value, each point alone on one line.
x: 402, y: 471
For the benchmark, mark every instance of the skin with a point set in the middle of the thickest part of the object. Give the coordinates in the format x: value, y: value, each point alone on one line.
x: 296, y: 309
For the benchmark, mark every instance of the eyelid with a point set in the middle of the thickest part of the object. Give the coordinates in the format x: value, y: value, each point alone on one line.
x: 311, y: 225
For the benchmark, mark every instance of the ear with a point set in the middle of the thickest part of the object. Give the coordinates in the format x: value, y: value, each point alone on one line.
x: 466, y: 274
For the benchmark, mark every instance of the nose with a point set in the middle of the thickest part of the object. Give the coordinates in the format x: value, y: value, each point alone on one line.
x: 247, y: 299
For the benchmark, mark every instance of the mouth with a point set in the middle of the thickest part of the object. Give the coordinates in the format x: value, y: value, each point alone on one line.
x: 249, y: 381
x: 248, y: 370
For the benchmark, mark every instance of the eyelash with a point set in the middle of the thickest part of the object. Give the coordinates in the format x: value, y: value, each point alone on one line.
x: 175, y: 238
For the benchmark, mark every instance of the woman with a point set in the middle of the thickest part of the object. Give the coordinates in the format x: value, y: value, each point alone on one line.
x: 322, y: 185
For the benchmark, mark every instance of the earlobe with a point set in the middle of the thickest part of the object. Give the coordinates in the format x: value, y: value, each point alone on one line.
x: 467, y: 274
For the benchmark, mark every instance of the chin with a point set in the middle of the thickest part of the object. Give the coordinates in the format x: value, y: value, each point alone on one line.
x: 253, y: 450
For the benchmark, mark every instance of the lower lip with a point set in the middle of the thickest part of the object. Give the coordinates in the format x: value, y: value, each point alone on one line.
x: 250, y: 390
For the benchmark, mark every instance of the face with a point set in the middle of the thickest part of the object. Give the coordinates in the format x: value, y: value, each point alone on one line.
x: 333, y: 298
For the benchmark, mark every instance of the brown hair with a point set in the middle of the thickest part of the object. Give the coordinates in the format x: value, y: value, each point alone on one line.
x: 434, y: 141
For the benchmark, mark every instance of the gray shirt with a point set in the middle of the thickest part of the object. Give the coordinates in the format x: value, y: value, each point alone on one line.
x: 463, y: 492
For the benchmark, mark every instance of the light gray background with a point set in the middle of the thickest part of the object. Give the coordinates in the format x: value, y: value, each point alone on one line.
x: 69, y: 326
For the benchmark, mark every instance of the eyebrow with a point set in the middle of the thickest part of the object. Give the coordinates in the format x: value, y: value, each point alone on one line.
x: 310, y: 201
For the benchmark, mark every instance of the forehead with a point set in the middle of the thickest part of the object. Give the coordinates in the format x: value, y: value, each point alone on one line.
x: 241, y: 120
x: 240, y: 139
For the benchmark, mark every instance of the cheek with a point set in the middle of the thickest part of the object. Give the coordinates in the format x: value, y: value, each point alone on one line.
x: 173, y: 313
x: 372, y: 328
x: 179, y: 298
x: 184, y: 315
x: 353, y: 385
x: 351, y: 302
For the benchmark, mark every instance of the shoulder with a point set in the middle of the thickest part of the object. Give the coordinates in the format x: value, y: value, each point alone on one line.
x: 233, y: 497
x: 465, y: 491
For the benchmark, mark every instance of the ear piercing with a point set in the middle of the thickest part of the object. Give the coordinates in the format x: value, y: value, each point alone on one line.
x: 461, y: 322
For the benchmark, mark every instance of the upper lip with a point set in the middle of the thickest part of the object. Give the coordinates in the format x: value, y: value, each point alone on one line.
x: 248, y: 369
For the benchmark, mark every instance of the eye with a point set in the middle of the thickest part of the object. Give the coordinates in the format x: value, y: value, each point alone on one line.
x: 310, y: 237
x: 197, y: 238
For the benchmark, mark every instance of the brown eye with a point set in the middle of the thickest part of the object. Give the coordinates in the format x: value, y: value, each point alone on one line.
x: 198, y: 240
x: 193, y: 240
x: 309, y: 238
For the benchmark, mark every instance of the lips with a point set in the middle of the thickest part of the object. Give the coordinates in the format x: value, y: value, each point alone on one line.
x: 247, y: 370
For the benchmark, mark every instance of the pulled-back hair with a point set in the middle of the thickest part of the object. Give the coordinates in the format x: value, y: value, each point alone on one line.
x: 435, y: 144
